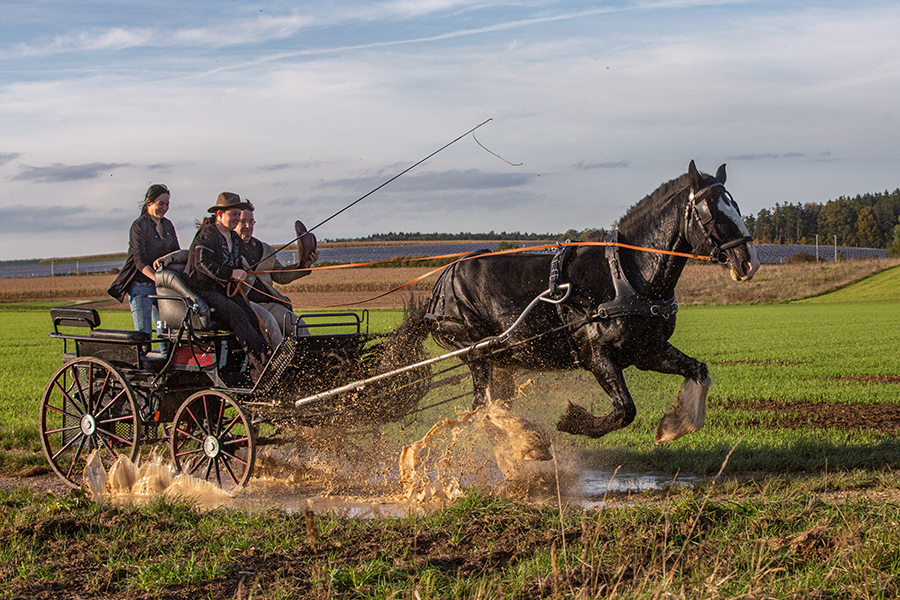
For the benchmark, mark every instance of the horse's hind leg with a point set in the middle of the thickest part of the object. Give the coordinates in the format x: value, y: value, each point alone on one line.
x: 500, y: 380
x: 503, y: 384
x: 481, y: 381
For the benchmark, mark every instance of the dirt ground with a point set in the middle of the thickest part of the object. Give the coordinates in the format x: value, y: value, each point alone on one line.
x: 821, y: 415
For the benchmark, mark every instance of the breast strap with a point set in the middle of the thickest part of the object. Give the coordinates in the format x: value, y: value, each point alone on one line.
x: 628, y: 302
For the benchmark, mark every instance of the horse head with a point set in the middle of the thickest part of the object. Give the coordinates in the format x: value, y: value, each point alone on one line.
x: 713, y: 225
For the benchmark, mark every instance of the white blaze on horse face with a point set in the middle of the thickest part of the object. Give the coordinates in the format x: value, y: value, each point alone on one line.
x: 728, y: 208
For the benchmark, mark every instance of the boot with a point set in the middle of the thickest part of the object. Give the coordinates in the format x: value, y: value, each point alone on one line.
x: 258, y: 362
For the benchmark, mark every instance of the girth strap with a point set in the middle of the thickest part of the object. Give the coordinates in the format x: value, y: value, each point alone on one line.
x: 557, y: 268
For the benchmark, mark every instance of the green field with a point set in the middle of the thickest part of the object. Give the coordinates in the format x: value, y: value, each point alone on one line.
x: 763, y: 532
x: 826, y: 350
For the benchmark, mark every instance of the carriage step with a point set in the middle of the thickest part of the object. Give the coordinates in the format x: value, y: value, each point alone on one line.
x: 281, y: 359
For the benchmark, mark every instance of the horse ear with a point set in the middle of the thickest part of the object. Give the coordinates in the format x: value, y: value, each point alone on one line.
x: 694, y: 176
x: 720, y: 174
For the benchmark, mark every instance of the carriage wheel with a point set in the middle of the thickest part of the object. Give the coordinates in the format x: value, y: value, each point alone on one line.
x: 213, y: 439
x: 88, y: 406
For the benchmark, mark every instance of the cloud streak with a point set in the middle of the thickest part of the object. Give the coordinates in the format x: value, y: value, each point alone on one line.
x: 8, y: 157
x: 58, y: 173
x: 21, y: 219
x: 469, y: 179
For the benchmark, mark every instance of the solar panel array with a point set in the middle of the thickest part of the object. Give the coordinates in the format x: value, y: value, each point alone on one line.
x: 768, y: 254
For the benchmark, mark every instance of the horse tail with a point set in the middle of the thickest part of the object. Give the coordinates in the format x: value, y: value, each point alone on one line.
x: 399, y: 395
x: 406, y: 344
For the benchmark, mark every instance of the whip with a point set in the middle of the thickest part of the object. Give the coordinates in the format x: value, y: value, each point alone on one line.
x: 361, y: 198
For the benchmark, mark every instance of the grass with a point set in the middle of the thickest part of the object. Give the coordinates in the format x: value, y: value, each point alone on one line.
x: 800, y: 352
x: 765, y: 538
x: 762, y: 532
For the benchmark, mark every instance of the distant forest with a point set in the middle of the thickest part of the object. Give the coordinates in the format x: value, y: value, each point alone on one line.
x: 864, y: 221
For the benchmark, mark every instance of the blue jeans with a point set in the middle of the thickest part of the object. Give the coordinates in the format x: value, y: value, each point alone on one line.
x: 144, y: 311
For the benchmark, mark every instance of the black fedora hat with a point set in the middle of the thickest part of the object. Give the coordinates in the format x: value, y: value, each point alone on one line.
x: 227, y: 201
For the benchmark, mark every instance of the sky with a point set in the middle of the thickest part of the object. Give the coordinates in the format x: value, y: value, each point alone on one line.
x: 305, y: 107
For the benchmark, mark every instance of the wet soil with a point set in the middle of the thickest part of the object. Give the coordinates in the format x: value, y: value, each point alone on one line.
x: 820, y: 415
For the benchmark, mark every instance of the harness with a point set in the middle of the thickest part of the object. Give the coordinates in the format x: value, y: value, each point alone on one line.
x: 627, y: 303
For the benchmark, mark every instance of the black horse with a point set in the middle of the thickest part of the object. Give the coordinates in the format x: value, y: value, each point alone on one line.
x: 618, y: 308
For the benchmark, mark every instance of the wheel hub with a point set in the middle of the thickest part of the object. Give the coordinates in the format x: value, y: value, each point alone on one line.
x: 211, y: 446
x: 88, y: 425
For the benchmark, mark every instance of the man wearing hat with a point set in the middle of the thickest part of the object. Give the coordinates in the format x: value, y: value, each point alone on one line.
x: 214, y: 261
x: 265, y: 298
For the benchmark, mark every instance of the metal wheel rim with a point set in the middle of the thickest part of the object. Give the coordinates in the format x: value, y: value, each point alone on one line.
x: 213, y: 438
x: 87, y: 405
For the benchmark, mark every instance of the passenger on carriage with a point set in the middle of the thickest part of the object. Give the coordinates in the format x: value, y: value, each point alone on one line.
x: 214, y: 261
x: 265, y: 299
x: 152, y: 243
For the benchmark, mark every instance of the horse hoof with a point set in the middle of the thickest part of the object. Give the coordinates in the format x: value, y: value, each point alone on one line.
x: 576, y: 420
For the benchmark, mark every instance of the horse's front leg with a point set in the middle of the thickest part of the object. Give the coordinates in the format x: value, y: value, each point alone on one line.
x: 578, y: 421
x: 688, y: 414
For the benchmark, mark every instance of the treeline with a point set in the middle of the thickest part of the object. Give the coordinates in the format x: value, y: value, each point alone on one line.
x: 448, y: 237
x: 865, y: 221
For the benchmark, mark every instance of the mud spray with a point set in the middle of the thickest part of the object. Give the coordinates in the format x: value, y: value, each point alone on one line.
x: 358, y: 474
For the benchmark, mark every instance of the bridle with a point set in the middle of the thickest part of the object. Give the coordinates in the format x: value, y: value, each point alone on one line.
x: 698, y: 210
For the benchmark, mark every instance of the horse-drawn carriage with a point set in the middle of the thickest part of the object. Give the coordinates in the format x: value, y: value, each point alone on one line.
x: 609, y: 305
x: 115, y: 393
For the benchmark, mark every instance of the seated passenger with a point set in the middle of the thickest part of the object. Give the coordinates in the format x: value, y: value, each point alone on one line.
x: 264, y: 297
x: 214, y: 261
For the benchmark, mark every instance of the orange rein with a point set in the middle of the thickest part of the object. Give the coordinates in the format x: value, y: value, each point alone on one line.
x: 460, y: 256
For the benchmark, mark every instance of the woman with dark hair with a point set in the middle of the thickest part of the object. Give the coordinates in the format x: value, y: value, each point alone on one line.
x: 152, y: 243
x: 214, y: 262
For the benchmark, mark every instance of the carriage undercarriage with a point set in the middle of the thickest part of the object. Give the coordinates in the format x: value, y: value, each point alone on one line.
x: 115, y: 394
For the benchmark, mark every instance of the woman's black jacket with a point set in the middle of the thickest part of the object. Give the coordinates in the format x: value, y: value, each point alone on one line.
x: 145, y: 245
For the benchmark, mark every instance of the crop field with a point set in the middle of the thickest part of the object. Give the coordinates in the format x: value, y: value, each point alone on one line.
x: 797, y: 494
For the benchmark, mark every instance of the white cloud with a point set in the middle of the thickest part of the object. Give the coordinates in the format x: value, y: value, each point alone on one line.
x: 600, y: 108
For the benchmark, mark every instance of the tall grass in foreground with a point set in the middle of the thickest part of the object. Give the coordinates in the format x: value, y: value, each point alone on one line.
x: 769, y: 538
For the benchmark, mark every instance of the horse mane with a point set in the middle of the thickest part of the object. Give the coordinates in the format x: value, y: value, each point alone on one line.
x: 647, y: 208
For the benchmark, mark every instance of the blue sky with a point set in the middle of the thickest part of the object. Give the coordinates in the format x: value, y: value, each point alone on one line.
x: 305, y: 107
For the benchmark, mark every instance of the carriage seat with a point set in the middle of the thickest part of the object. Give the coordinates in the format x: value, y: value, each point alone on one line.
x: 171, y: 284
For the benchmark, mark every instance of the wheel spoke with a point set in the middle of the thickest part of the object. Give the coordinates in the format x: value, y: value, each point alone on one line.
x: 110, y: 403
x: 230, y: 472
x: 234, y: 422
x: 189, y: 452
x: 110, y: 435
x: 219, y: 419
x: 62, y: 429
x: 187, y: 434
x: 194, y: 419
x: 105, y: 385
x: 232, y: 455
x: 75, y: 458
x: 63, y: 412
x: 77, y: 381
x: 90, y: 387
x: 67, y: 396
x: 77, y: 438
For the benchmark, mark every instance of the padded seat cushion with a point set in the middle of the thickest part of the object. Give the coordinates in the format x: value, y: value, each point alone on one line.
x: 117, y: 335
x: 171, y: 284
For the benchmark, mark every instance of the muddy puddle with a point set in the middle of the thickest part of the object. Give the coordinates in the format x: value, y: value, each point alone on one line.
x: 490, y: 449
